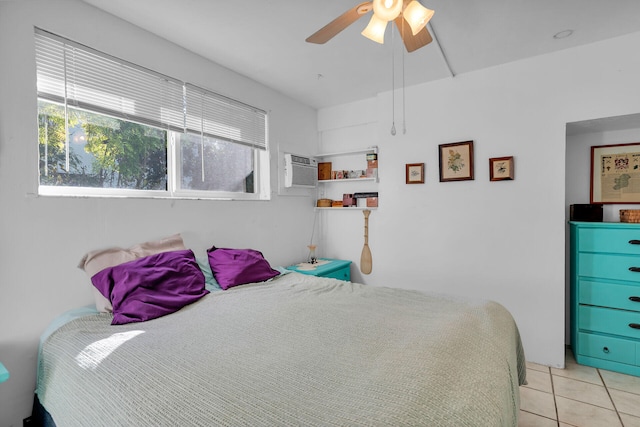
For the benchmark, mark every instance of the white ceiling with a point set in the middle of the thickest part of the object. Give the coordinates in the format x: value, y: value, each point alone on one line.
x: 265, y: 40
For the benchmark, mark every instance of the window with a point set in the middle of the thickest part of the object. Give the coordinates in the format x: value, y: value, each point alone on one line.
x: 230, y: 165
x: 102, y: 152
x: 111, y: 128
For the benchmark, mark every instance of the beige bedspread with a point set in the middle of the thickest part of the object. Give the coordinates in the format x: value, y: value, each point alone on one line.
x: 297, y: 351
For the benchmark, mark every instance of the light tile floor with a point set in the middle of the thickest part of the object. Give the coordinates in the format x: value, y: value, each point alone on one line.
x: 578, y: 396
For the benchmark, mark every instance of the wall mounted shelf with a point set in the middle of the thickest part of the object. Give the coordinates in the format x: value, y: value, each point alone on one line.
x: 347, y: 161
x: 347, y: 180
x: 350, y: 208
x: 373, y: 149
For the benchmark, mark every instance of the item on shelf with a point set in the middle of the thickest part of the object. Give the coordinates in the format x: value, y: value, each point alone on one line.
x: 339, y: 174
x: 629, y: 215
x: 372, y: 173
x: 324, y: 203
x: 372, y: 161
x: 324, y: 171
x: 336, y: 204
x: 372, y: 202
x: 349, y: 200
x: 365, y: 195
x: 357, y: 174
x: 586, y: 212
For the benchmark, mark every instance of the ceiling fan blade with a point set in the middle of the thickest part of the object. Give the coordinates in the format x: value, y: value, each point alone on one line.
x: 330, y: 30
x: 412, y: 42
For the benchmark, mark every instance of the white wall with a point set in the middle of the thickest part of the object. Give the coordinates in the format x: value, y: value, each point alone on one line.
x: 42, y: 239
x: 503, y: 240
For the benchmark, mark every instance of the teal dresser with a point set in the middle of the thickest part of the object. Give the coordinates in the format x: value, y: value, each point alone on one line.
x: 333, y: 268
x: 605, y: 295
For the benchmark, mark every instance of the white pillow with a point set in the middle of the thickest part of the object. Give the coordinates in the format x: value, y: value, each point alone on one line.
x: 95, y: 261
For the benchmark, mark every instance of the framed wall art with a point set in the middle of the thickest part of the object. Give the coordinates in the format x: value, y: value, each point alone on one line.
x: 615, y: 173
x: 501, y: 168
x: 456, y: 161
x: 415, y: 173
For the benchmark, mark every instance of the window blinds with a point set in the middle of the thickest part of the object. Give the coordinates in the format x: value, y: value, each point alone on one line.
x: 88, y: 79
x: 221, y: 117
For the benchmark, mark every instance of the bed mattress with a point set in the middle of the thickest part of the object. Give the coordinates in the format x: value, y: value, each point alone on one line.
x: 298, y: 350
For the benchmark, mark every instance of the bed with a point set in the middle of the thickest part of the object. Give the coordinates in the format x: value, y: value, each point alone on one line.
x: 294, y: 350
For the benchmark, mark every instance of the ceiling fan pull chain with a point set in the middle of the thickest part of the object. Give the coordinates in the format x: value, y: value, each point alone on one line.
x: 393, y: 82
x: 404, y: 117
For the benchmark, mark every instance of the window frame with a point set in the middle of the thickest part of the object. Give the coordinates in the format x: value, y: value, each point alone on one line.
x: 260, y: 148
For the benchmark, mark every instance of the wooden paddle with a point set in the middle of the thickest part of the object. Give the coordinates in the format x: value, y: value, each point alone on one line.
x: 365, y: 258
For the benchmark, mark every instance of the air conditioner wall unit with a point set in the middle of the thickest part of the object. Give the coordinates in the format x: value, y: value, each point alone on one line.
x: 300, y: 171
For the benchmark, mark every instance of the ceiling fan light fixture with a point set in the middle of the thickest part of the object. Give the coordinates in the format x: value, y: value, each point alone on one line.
x: 387, y: 10
x: 375, y: 30
x: 417, y: 16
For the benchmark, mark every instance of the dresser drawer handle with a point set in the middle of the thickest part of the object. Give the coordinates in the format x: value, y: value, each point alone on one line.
x: 634, y: 242
x: 635, y: 299
x: 635, y: 269
x: 634, y: 325
x: 605, y: 350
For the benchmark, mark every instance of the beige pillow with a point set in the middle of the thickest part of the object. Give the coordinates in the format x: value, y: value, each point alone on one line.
x: 95, y: 261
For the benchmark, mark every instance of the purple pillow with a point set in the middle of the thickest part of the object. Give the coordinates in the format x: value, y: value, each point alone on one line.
x: 152, y: 286
x: 232, y: 267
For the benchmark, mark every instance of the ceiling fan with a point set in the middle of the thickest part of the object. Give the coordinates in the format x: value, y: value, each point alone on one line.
x: 409, y: 16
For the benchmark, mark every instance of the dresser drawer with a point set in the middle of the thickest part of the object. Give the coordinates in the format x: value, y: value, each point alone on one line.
x: 609, y: 240
x: 626, y: 297
x: 608, y: 348
x: 608, y: 320
x: 609, y: 266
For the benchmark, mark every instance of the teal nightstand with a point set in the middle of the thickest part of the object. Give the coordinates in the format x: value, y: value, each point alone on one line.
x: 332, y: 268
x: 4, y: 374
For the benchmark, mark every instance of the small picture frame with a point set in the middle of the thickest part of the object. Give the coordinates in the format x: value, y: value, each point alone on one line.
x: 501, y: 168
x: 456, y: 161
x: 415, y: 173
